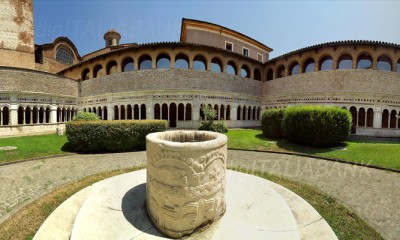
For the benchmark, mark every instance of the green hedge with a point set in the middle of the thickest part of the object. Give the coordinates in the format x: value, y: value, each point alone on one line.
x: 316, y: 126
x: 271, y: 123
x: 115, y: 136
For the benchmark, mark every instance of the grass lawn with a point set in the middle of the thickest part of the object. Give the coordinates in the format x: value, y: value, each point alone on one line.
x: 31, y: 147
x: 385, y: 153
x: 345, y: 224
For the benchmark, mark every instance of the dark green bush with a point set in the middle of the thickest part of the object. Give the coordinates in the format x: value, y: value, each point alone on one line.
x: 115, y: 136
x: 219, y: 127
x: 271, y: 123
x: 85, y: 116
x: 316, y: 126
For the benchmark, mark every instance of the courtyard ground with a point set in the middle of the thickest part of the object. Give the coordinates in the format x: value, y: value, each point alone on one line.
x: 370, y: 193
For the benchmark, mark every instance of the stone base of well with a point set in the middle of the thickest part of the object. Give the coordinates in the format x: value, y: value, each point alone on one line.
x: 115, y: 208
x: 185, y: 180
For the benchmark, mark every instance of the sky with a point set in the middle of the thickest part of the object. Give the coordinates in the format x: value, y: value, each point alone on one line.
x: 282, y: 25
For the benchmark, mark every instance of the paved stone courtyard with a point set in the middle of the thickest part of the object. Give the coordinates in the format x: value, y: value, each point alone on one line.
x: 371, y: 193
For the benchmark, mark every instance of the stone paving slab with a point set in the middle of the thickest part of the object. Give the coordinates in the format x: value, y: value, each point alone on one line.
x: 371, y: 193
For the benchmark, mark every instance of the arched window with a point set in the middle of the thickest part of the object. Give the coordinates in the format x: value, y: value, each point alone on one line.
x: 116, y: 112
x: 244, y: 114
x: 123, y: 117
x: 181, y: 112
x: 181, y: 61
x: 163, y: 61
x: 326, y: 63
x: 199, y: 63
x: 143, y: 111
x: 384, y: 63
x: 188, y: 112
x: 353, y: 111
x: 364, y: 61
x: 164, y: 113
x: 129, y: 111
x: 127, y: 65
x: 64, y: 55
x: 157, y: 111
x: 257, y: 75
x: 393, y: 119
x: 35, y: 115
x: 28, y: 113
x: 222, y: 112
x: 281, y: 72
x: 231, y: 68
x: 201, y: 112
x: 228, y: 112
x: 345, y: 62
x: 370, y: 117
x: 239, y: 113
x: 216, y: 65
x: 112, y: 67
x: 105, y: 117
x: 245, y: 72
x: 85, y: 74
x: 145, y: 62
x: 6, y: 116
x: 216, y: 112
x: 20, y: 115
x: 309, y: 65
x: 385, y: 118
x: 98, y: 71
x: 294, y: 69
x: 361, y: 117
x: 136, y: 112
x: 270, y: 75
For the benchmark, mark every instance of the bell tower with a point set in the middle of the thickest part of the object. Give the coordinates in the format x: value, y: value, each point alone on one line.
x: 112, y: 37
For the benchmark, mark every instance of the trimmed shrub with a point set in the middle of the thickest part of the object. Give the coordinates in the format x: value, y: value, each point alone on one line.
x: 271, y: 123
x: 115, y: 136
x: 85, y: 116
x: 316, y: 126
x: 208, y: 123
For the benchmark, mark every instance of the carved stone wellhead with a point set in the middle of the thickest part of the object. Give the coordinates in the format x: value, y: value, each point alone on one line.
x: 185, y: 180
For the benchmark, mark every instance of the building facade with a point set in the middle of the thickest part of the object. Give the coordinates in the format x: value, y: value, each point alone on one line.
x: 43, y: 87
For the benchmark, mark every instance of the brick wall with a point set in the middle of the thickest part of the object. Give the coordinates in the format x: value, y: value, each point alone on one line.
x: 170, y: 79
x: 16, y: 80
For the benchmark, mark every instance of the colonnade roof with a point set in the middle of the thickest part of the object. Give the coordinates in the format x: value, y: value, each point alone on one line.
x: 338, y: 43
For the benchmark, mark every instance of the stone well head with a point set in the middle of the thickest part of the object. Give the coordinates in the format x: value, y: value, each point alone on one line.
x: 185, y: 180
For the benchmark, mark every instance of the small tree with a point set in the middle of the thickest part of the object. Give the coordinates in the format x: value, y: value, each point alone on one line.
x: 208, y: 123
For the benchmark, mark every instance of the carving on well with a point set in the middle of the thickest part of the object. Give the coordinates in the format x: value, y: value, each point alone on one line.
x: 185, y: 187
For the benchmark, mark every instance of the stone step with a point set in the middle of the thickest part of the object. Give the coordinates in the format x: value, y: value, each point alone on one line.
x: 256, y: 209
x: 58, y: 225
x: 310, y: 223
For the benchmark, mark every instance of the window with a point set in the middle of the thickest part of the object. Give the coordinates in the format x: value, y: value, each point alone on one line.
x: 229, y: 46
x: 145, y: 62
x: 181, y: 61
x: 384, y: 63
x: 309, y: 66
x: 216, y: 65
x: 244, y: 72
x: 231, y: 68
x: 127, y: 65
x: 294, y: 69
x: 326, y: 63
x: 364, y: 62
x: 199, y: 63
x: 260, y: 57
x: 246, y: 52
x: 345, y: 62
x: 163, y: 61
x: 64, y: 55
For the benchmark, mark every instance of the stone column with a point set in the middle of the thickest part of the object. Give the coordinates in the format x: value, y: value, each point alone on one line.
x: 378, y: 118
x: 149, y: 110
x: 110, y: 112
x: 13, y: 114
x: 234, y: 112
x: 53, y: 114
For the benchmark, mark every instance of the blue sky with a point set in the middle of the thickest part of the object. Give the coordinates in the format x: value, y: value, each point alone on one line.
x: 282, y: 25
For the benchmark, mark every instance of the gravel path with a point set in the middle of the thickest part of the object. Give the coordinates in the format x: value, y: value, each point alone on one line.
x: 373, y: 194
